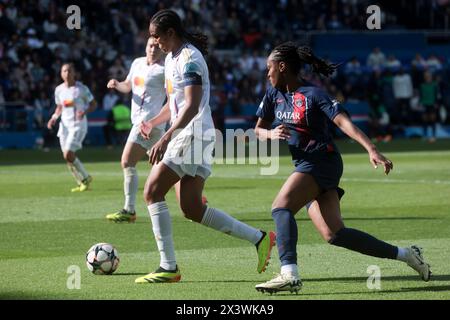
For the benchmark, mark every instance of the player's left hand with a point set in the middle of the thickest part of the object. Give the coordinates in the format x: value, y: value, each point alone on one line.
x: 377, y: 158
x: 158, y: 150
x: 80, y: 114
x: 144, y: 129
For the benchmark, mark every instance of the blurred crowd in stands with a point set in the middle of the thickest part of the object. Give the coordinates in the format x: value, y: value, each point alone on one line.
x: 35, y: 42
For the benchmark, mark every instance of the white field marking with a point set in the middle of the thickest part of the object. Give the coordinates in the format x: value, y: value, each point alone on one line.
x: 387, y: 180
x: 215, y: 174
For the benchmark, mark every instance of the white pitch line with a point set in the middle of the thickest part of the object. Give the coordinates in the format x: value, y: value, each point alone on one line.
x: 283, y: 176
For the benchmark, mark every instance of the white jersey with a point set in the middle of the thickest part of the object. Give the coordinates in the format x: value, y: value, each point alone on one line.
x: 73, y: 99
x: 188, y: 67
x: 147, y: 86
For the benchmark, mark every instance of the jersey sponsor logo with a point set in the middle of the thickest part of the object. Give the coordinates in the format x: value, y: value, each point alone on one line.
x: 288, y: 115
x: 169, y: 86
x: 297, y: 115
x: 68, y: 103
x: 138, y: 81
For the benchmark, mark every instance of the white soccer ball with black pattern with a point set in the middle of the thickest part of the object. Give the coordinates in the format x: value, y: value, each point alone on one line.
x: 102, y: 258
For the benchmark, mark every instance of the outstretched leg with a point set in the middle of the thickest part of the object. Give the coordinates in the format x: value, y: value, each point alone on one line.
x: 325, y: 213
x: 191, y: 204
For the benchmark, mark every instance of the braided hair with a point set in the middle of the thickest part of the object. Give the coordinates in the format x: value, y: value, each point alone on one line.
x: 166, y: 19
x: 295, y: 57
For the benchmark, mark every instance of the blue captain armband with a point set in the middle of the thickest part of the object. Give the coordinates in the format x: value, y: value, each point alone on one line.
x: 192, y: 79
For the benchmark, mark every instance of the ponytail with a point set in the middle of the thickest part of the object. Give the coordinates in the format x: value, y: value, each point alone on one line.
x: 295, y: 57
x: 319, y: 65
x: 199, y: 40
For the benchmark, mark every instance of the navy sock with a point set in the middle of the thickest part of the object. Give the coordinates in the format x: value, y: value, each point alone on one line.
x: 287, y: 235
x: 364, y: 243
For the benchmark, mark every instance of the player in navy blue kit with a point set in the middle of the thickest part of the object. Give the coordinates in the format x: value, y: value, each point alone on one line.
x: 301, y: 114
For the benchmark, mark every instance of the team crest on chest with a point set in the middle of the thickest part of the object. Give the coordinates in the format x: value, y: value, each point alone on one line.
x: 299, y: 107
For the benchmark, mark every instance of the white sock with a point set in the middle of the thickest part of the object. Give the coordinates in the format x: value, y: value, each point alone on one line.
x: 130, y: 188
x: 74, y: 172
x: 290, y: 269
x: 225, y: 223
x: 403, y: 254
x: 80, y: 168
x: 162, y: 229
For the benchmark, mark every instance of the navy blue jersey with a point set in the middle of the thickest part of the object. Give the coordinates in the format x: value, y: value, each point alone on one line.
x: 307, y: 113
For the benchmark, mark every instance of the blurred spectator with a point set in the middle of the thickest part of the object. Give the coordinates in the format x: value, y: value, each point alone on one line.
x: 417, y: 109
x: 109, y: 100
x: 403, y: 92
x: 34, y: 45
x: 117, y: 70
x: 392, y: 63
x: 419, y: 62
x: 433, y: 63
x: 428, y: 98
x: 376, y: 59
x: 353, y: 67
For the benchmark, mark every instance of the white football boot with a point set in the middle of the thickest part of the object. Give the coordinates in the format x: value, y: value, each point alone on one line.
x: 417, y: 262
x: 282, y: 282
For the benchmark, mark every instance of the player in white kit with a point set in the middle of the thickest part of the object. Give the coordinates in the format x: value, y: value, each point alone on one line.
x: 146, y: 82
x: 73, y: 102
x: 184, y: 152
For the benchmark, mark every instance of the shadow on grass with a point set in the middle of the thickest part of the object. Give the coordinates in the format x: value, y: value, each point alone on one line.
x: 402, y: 290
x: 121, y: 274
x: 220, y: 281
x: 434, y: 278
x: 348, y: 219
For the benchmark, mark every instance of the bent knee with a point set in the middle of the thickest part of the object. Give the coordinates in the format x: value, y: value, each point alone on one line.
x: 69, y: 156
x: 192, y: 212
x: 331, y: 237
x: 152, y: 194
x: 125, y: 164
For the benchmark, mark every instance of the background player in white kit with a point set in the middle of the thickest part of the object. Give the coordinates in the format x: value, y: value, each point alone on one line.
x: 146, y: 82
x: 191, y: 134
x: 73, y: 101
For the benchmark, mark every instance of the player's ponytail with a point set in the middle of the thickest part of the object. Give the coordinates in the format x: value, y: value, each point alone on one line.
x: 166, y: 19
x: 295, y: 57
x: 319, y: 65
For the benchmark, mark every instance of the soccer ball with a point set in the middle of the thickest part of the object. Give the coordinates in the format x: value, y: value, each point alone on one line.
x: 102, y: 258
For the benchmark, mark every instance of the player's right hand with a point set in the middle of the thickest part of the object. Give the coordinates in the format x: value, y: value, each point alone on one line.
x: 50, y: 123
x: 144, y: 129
x: 280, y: 132
x: 112, y: 84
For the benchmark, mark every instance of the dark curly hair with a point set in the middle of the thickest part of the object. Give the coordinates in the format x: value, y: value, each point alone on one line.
x: 166, y: 19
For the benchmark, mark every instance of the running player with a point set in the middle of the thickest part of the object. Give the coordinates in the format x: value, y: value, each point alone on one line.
x: 146, y: 82
x: 191, y: 134
x: 73, y: 102
x: 301, y: 113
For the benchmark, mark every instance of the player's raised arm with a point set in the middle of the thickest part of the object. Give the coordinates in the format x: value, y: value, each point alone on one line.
x: 123, y: 87
x: 346, y: 125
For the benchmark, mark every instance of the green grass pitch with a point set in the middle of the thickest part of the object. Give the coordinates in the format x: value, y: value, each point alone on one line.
x: 44, y: 229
